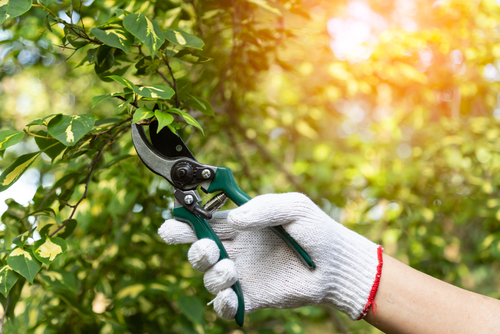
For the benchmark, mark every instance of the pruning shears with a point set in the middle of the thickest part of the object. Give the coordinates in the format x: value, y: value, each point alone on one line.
x: 168, y: 156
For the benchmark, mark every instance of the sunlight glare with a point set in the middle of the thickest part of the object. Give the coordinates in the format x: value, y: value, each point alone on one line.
x: 355, y: 35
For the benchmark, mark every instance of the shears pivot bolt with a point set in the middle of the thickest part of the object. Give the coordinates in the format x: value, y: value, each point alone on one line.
x: 206, y: 173
x: 178, y: 148
x: 188, y: 199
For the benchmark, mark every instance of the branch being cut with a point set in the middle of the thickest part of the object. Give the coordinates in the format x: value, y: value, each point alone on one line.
x: 165, y: 60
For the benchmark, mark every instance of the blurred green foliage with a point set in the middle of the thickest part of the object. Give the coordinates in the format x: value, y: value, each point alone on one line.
x: 384, y: 112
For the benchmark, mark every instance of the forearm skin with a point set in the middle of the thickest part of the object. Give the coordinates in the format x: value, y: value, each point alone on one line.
x: 411, y: 302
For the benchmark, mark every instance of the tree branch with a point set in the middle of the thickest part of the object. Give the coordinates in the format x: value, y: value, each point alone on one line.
x: 177, y: 103
x: 124, y: 99
x: 164, y: 77
x: 89, y: 177
x: 111, y: 128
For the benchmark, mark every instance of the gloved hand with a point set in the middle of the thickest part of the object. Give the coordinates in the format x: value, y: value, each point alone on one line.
x: 348, y: 266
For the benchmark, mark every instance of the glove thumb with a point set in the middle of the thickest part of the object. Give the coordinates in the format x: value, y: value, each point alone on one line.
x: 270, y: 210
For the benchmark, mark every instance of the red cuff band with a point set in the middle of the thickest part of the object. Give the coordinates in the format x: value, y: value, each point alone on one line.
x: 373, y: 292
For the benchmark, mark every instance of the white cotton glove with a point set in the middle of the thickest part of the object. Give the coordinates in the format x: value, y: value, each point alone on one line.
x: 348, y: 266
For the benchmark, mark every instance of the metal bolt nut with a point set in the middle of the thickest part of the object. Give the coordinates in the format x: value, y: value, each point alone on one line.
x: 206, y: 173
x: 188, y: 199
x: 178, y: 148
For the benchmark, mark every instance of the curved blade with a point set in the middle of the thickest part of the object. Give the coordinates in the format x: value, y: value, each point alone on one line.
x: 155, y: 161
x: 168, y: 143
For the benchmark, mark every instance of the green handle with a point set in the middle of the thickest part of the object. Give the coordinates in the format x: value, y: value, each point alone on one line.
x: 204, y: 230
x: 224, y: 181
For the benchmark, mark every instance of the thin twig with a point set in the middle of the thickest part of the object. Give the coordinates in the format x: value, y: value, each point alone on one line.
x: 111, y: 128
x: 140, y: 49
x: 177, y: 103
x: 87, y: 182
x: 71, y: 55
x: 124, y: 99
x: 164, y: 77
x: 79, y: 32
x: 5, y: 312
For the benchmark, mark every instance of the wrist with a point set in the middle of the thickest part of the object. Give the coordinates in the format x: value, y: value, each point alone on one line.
x: 355, y: 275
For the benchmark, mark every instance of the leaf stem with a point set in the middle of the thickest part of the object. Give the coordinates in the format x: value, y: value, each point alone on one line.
x: 35, y: 135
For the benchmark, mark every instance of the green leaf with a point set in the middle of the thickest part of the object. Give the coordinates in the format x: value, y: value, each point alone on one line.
x: 146, y: 30
x: 163, y: 118
x: 46, y: 3
x: 12, y: 173
x: 9, y: 138
x: 124, y: 104
x: 47, y: 250
x: 191, y: 57
x: 100, y: 98
x: 104, y: 59
x: 200, y: 104
x: 155, y: 91
x: 147, y: 65
x: 183, y: 88
x: 42, y: 121
x: 21, y: 239
x: 45, y: 230
x: 141, y: 114
x: 13, y: 9
x: 191, y: 307
x: 42, y: 212
x: 50, y: 146
x: 116, y: 37
x: 91, y: 55
x: 7, y: 280
x: 182, y: 38
x: 24, y: 263
x: 59, y: 280
x: 67, y: 229
x: 189, y: 119
x: 70, y: 129
x: 120, y: 12
x: 47, y: 23
x: 123, y: 81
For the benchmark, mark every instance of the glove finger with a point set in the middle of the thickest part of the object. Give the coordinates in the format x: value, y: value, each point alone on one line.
x: 226, y: 304
x: 221, y: 227
x: 203, y: 254
x: 221, y: 276
x: 175, y: 232
x: 270, y: 210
